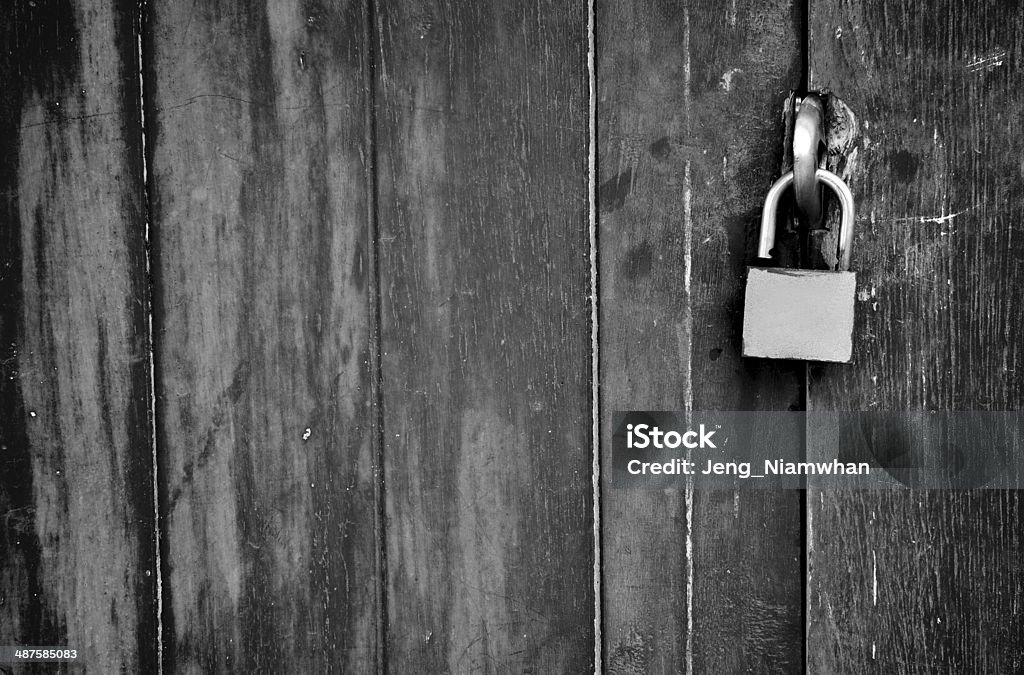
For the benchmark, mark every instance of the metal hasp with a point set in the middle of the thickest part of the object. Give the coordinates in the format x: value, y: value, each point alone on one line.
x: 805, y: 315
x: 808, y: 137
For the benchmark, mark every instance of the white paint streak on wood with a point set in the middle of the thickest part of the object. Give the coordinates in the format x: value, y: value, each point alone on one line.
x: 940, y: 219
x: 986, y: 62
x: 594, y: 343
x: 157, y: 534
x: 688, y: 318
x: 874, y: 579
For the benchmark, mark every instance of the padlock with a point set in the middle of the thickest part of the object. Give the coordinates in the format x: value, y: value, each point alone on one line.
x: 801, y: 314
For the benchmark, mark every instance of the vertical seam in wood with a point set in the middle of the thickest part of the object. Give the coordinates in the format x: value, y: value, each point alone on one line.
x: 805, y: 46
x: 688, y: 403
x: 806, y: 547
x: 806, y: 528
x: 595, y: 430
x: 805, y: 517
x: 375, y: 334
x: 688, y: 319
x: 150, y: 339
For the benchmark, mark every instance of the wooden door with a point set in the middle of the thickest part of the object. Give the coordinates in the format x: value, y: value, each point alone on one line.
x: 689, y: 138
x: 313, y: 317
x: 78, y: 552
x: 924, y: 581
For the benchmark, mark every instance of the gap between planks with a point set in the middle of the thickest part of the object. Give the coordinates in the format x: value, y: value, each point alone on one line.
x: 594, y: 326
x: 371, y: 46
x: 150, y: 337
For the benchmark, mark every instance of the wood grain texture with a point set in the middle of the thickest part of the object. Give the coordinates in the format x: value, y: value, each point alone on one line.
x: 689, y: 110
x: 482, y: 130
x: 262, y: 335
x: 77, y: 518
x: 927, y: 581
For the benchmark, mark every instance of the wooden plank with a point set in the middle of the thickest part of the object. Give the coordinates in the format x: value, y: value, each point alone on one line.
x: 689, y: 112
x: 924, y: 581
x: 262, y: 328
x: 485, y: 336
x: 77, y: 540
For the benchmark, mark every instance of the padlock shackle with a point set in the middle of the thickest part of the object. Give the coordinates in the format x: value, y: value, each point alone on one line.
x: 766, y: 241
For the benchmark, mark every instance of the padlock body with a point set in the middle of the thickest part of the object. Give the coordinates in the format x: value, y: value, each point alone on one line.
x: 799, y: 314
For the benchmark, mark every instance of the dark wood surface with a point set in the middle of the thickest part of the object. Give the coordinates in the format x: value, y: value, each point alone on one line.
x: 77, y: 539
x: 370, y: 283
x: 926, y: 581
x: 257, y: 132
x: 690, y: 127
x: 485, y: 336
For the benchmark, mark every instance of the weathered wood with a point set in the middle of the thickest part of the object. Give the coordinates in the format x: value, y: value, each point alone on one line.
x: 926, y: 581
x: 689, y: 112
x: 482, y: 126
x: 77, y: 518
x: 262, y: 331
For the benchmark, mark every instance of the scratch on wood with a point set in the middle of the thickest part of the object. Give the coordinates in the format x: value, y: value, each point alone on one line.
x: 986, y: 62
x: 874, y: 579
x: 937, y: 220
